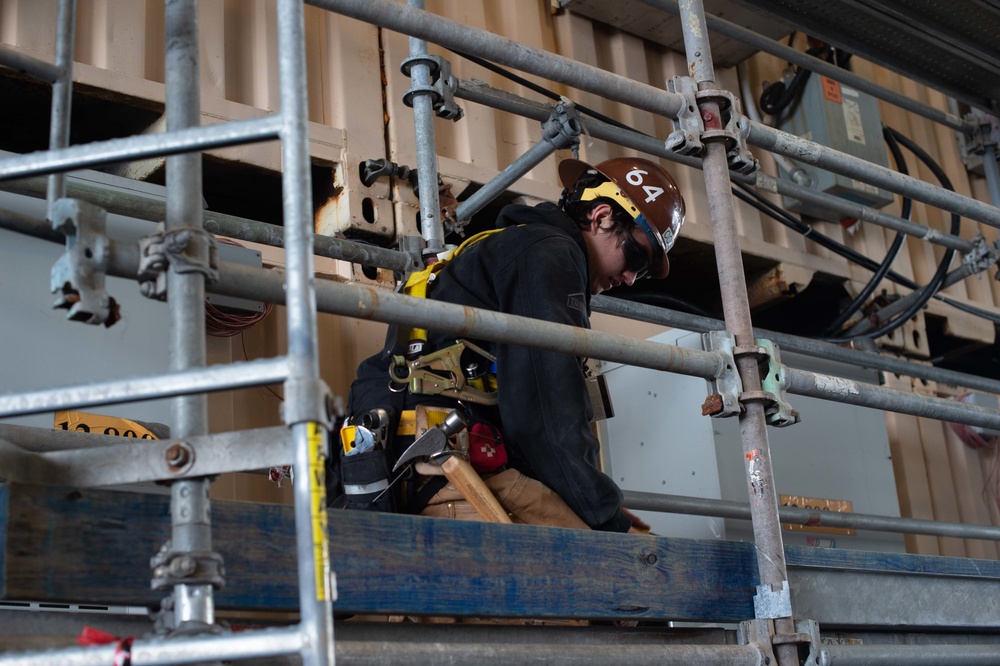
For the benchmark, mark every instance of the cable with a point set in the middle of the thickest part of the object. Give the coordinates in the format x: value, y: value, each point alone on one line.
x: 893, y: 251
x: 225, y: 324
x: 938, y: 279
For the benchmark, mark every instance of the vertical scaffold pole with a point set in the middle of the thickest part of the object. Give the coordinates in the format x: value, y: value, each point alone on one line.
x: 303, y: 385
x: 423, y: 119
x: 62, y: 94
x: 736, y: 307
x: 190, y: 509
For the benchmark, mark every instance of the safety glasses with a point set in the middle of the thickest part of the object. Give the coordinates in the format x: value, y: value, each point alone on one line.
x: 636, y: 257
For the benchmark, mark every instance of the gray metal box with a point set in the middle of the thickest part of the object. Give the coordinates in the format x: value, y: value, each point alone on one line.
x: 839, y: 117
x: 659, y: 442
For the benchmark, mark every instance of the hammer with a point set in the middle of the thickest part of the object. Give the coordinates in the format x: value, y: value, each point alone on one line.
x: 433, y: 445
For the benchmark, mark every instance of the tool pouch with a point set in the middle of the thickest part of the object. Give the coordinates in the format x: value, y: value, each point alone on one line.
x: 365, y: 477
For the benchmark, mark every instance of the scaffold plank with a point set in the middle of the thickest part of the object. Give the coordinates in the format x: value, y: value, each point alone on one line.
x: 94, y: 546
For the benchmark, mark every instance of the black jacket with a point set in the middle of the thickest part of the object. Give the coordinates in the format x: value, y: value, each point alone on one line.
x: 537, y: 270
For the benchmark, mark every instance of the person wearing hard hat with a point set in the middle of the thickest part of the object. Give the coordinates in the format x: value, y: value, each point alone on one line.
x: 614, y: 224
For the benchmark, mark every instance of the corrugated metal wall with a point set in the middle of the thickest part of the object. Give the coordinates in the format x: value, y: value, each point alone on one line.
x: 357, y: 114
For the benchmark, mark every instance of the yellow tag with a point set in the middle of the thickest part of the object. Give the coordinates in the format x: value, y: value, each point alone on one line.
x: 813, y: 504
x: 100, y: 424
x: 347, y: 438
x: 407, y: 423
x: 317, y: 474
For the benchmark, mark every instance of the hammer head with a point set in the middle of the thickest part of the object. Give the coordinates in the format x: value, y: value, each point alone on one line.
x: 435, y: 440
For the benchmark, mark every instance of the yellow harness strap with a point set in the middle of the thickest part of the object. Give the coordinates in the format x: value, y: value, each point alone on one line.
x: 418, y: 282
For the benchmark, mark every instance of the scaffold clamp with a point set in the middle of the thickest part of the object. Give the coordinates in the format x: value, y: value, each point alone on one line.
x: 78, y: 275
x: 442, y: 87
x: 780, y: 413
x: 171, y: 567
x: 688, y: 126
x: 758, y: 634
x: 187, y: 249
x: 773, y: 381
x: 983, y: 255
x: 725, y: 389
x: 562, y: 128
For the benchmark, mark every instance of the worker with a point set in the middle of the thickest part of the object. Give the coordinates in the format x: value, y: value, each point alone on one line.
x: 613, y: 225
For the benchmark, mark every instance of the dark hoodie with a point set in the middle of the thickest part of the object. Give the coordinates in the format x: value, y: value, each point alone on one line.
x: 536, y: 268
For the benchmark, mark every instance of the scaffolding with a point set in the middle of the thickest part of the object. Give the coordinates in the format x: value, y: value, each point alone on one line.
x: 714, y: 138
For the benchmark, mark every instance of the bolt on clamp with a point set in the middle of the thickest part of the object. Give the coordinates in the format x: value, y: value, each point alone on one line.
x: 725, y: 389
x: 689, y: 135
x: 688, y: 126
x: 188, y: 250
x: 983, y: 255
x: 727, y: 394
x: 562, y: 128
x: 171, y: 567
x: 78, y: 275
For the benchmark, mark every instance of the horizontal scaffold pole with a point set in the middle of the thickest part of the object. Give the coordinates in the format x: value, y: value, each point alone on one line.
x: 459, y: 37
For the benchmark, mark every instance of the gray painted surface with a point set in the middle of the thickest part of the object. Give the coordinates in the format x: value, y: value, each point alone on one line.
x: 42, y: 349
x: 659, y: 442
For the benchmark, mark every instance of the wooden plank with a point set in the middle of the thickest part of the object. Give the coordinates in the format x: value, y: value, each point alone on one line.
x: 100, y: 542
x: 66, y: 545
x: 910, y: 471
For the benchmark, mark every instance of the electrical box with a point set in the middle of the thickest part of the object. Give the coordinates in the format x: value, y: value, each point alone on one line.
x: 839, y: 117
x: 659, y: 442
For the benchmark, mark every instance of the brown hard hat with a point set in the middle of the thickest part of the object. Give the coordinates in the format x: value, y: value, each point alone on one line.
x: 656, y: 203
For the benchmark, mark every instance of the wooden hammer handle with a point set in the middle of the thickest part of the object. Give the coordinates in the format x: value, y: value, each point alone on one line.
x: 466, y: 480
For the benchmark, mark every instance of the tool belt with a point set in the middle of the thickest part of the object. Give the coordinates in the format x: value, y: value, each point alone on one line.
x: 367, y: 450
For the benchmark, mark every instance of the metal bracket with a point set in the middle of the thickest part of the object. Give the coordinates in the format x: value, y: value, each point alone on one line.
x: 372, y: 170
x: 987, y: 132
x: 188, y: 250
x: 769, y: 604
x: 78, y: 275
x: 443, y: 86
x: 779, y: 414
x: 689, y: 135
x: 413, y: 246
x: 758, y: 633
x: 983, y: 255
x: 735, y: 127
x: 171, y: 567
x: 308, y: 400
x: 688, y: 126
x: 562, y: 128
x: 725, y: 389
x: 807, y: 631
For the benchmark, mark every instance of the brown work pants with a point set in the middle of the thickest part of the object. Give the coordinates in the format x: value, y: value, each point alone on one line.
x: 526, y: 500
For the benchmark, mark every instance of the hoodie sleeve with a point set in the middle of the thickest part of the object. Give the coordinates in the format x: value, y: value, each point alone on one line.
x: 544, y: 402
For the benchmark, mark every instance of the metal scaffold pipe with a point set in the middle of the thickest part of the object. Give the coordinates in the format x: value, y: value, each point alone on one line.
x: 190, y: 507
x: 761, y: 487
x: 305, y: 408
x: 13, y: 59
x: 817, y: 348
x: 501, y: 50
x: 849, y: 208
x: 468, y: 39
x: 221, y: 224
x: 62, y: 94
x: 481, y: 93
x: 223, y: 135
x: 820, y: 66
x: 700, y: 506
x: 422, y: 100
x: 801, y: 150
x: 364, y: 302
